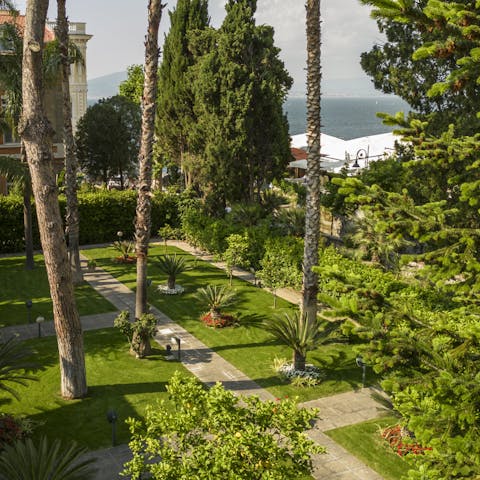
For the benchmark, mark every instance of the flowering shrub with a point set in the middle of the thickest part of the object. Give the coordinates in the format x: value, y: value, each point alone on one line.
x: 401, y: 441
x: 309, y: 377
x: 218, y: 322
x: 12, y: 429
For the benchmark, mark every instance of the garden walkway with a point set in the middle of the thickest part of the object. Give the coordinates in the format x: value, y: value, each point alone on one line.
x: 209, y: 367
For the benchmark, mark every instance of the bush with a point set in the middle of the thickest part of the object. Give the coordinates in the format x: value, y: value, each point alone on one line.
x: 102, y: 214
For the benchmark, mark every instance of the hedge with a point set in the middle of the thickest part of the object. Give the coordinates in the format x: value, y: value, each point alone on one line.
x: 102, y: 215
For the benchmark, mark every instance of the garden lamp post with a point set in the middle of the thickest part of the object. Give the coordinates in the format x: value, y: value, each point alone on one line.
x: 29, y: 305
x: 119, y: 235
x: 177, y: 340
x: 112, y: 418
x: 363, y: 366
x: 39, y: 321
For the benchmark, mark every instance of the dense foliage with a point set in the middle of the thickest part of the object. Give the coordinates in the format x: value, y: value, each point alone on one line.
x: 102, y: 215
x: 108, y: 139
x: 213, y: 434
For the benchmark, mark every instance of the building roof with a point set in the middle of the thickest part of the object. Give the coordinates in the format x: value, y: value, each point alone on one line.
x: 337, y: 152
x: 298, y: 153
x: 19, y: 20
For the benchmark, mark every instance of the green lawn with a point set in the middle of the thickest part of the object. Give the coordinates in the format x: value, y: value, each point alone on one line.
x: 20, y: 285
x: 116, y: 381
x: 364, y: 441
x: 248, y: 346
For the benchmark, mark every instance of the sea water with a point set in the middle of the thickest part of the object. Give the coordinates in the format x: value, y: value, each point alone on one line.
x: 346, y: 117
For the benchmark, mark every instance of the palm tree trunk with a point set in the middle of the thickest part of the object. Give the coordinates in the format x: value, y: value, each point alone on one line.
x: 312, y: 217
x: 299, y: 361
x: 72, y: 220
x: 143, y: 218
x: 37, y: 135
x: 171, y: 282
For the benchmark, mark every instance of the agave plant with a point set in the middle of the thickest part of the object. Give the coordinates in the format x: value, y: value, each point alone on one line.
x: 297, y: 332
x: 124, y: 247
x: 216, y: 297
x: 172, y: 266
x: 45, y: 461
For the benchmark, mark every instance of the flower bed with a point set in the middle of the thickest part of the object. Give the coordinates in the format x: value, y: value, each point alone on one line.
x: 401, y: 441
x: 129, y: 259
x: 170, y: 291
x: 219, y: 322
x: 11, y: 429
x: 309, y: 377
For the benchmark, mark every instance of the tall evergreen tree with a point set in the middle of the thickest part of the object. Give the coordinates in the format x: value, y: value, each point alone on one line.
x: 240, y: 87
x: 71, y: 164
x: 176, y: 115
x: 37, y: 134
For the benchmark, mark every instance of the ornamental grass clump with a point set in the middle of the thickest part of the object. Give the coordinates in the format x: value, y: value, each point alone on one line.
x: 216, y: 298
x: 172, y: 266
x: 125, y: 248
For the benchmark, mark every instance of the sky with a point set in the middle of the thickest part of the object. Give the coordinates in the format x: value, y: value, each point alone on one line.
x: 119, y: 26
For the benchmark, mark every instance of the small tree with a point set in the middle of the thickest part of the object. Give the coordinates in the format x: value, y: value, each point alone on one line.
x: 172, y: 266
x: 214, y: 434
x: 216, y: 298
x: 138, y: 333
x: 236, y: 253
x: 167, y: 232
x: 299, y: 333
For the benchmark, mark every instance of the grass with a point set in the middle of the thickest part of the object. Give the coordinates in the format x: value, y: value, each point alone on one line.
x: 116, y: 381
x: 247, y: 346
x: 364, y: 441
x: 20, y: 285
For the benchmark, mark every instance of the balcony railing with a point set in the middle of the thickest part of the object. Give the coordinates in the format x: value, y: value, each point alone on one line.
x: 75, y: 28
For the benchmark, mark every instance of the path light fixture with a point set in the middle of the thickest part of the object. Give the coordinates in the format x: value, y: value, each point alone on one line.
x: 363, y: 366
x: 39, y: 321
x: 119, y: 235
x: 177, y: 340
x: 361, y: 154
x: 112, y: 418
x: 29, y: 305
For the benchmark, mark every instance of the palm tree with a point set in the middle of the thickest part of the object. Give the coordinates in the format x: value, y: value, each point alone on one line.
x: 299, y: 333
x: 144, y: 207
x: 172, y: 266
x: 37, y: 137
x: 47, y: 461
x: 312, y: 217
x: 216, y: 298
x: 14, y: 362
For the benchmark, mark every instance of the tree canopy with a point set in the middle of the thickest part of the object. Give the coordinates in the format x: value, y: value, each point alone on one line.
x: 108, y: 138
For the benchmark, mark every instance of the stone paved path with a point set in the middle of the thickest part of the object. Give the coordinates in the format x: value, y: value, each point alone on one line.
x: 339, y: 410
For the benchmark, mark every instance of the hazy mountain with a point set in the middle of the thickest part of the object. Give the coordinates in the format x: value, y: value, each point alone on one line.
x: 104, y: 87
x: 107, y: 86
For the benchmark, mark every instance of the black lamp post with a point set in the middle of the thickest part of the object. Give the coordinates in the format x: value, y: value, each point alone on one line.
x: 112, y: 418
x: 363, y: 366
x: 177, y: 340
x: 29, y: 305
x: 362, y: 154
x: 39, y: 321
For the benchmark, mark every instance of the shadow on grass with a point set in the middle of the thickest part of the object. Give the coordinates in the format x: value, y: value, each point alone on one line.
x: 85, y: 419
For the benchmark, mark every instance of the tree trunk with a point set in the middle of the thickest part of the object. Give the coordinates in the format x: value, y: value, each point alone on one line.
x: 37, y: 135
x: 71, y: 165
x: 27, y: 214
x: 143, y: 217
x: 298, y: 361
x: 312, y: 217
x: 28, y: 224
x: 171, y: 282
